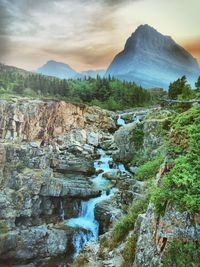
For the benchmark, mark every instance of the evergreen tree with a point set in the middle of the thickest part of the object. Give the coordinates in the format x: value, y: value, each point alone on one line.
x: 197, y: 84
x: 176, y: 88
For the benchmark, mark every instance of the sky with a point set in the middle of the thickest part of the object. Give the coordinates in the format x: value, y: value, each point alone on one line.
x: 87, y: 34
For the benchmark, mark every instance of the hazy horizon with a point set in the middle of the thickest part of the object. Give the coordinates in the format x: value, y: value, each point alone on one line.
x: 87, y: 34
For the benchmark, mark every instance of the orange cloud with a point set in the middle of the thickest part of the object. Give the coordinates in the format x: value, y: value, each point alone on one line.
x: 194, y: 48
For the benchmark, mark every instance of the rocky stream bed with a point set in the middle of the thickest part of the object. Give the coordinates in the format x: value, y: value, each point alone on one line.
x: 65, y: 178
x: 58, y: 169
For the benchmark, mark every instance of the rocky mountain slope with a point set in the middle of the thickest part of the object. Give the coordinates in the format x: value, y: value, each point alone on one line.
x: 153, y: 60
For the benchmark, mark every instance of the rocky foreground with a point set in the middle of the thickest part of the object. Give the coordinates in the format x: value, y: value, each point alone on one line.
x: 47, y: 153
x: 46, y: 159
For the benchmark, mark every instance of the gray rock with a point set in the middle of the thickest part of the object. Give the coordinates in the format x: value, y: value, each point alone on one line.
x: 124, y: 143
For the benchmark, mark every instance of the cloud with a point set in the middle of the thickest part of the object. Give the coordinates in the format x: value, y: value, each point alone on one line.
x: 83, y: 33
x: 194, y: 48
x: 65, y: 24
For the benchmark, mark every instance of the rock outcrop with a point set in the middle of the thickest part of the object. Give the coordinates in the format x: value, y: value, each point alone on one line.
x: 46, y: 160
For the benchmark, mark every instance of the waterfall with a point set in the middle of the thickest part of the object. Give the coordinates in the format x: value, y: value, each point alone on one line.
x: 62, y: 213
x: 86, y: 219
x: 86, y: 225
x: 120, y: 121
x: 79, y: 240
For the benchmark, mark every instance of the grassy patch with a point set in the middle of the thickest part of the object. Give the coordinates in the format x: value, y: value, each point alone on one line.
x: 181, y: 185
x: 129, y: 251
x: 3, y: 228
x: 127, y: 222
x: 149, y: 169
x: 182, y: 254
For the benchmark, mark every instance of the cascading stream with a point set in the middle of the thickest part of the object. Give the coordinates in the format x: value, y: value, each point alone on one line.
x: 87, y: 226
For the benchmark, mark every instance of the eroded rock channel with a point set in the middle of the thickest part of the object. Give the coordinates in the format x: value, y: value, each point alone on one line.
x: 58, y: 169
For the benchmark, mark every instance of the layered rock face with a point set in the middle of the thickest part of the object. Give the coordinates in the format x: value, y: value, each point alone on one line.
x: 46, y: 159
x: 153, y: 60
x: 156, y: 233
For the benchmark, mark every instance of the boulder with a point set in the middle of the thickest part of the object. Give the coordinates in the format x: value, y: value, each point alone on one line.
x: 35, y: 242
x: 106, y: 212
x: 125, y: 145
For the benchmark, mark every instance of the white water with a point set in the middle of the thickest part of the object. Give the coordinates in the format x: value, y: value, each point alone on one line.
x: 86, y: 221
x: 87, y: 226
x: 62, y: 213
x: 120, y: 121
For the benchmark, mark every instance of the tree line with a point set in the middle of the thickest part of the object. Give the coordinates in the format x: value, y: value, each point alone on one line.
x: 107, y: 92
x: 181, y: 90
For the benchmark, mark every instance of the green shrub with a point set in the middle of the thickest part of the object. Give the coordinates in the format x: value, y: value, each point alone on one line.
x: 181, y: 185
x: 129, y: 251
x: 126, y: 223
x: 20, y: 166
x: 139, y: 158
x: 149, y: 169
x: 182, y: 254
x: 3, y: 228
x: 138, y: 136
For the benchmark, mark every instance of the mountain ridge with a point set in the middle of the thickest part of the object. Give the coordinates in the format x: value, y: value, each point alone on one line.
x: 153, y: 59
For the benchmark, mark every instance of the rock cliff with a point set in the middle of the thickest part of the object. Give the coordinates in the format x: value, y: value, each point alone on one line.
x: 46, y: 159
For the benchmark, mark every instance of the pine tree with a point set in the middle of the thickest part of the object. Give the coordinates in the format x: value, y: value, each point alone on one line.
x: 197, y: 84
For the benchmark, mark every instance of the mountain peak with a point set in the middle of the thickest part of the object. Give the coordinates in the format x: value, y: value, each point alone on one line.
x: 56, y: 63
x: 153, y: 59
x: 145, y: 27
x: 146, y: 37
x: 57, y: 69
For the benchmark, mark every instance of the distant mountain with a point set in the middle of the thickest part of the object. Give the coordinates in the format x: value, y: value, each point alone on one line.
x: 93, y: 73
x: 57, y: 69
x: 153, y: 60
x: 15, y: 70
x: 64, y: 71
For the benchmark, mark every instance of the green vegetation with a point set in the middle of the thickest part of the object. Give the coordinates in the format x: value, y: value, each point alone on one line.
x: 138, y: 136
x: 149, y: 169
x: 3, y: 228
x: 179, y: 89
x: 107, y: 93
x: 182, y: 254
x: 127, y: 222
x: 129, y: 250
x: 181, y: 185
x: 197, y: 84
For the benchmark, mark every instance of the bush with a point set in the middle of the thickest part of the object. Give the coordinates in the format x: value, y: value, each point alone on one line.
x: 182, y: 254
x: 126, y: 223
x: 129, y: 251
x: 149, y: 169
x: 138, y: 136
x: 181, y: 185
